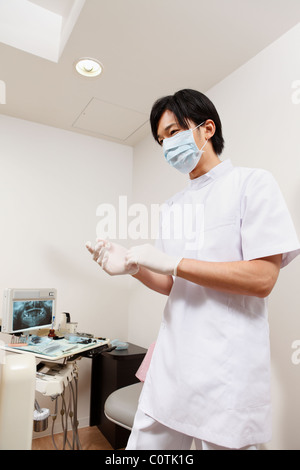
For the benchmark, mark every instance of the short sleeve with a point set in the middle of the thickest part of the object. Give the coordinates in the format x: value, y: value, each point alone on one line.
x: 266, y: 225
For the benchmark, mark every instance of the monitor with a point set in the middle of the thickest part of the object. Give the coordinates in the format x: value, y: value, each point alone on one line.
x: 28, y: 309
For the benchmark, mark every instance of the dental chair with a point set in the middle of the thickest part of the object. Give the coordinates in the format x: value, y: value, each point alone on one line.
x: 121, y: 405
x: 17, y: 395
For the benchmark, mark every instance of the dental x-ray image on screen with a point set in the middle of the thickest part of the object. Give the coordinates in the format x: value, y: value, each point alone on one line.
x: 31, y: 314
x: 27, y: 309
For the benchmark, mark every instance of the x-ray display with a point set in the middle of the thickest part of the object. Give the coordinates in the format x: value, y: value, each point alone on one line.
x: 32, y: 314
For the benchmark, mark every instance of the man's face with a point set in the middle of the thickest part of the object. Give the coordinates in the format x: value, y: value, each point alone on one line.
x: 168, y: 126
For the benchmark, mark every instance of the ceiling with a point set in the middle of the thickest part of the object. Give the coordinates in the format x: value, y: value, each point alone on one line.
x: 148, y: 48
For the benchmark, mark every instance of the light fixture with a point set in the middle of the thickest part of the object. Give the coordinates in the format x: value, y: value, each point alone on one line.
x: 89, y: 67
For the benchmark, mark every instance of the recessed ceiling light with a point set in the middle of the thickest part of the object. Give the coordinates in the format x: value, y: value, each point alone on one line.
x: 88, y: 67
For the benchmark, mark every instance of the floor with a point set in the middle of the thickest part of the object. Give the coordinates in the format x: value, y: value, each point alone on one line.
x: 90, y: 439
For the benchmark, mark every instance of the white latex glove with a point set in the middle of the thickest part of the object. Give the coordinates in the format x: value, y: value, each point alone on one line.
x: 153, y: 259
x: 111, y: 257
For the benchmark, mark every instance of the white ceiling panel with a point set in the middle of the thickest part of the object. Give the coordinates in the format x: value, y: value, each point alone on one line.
x: 110, y: 120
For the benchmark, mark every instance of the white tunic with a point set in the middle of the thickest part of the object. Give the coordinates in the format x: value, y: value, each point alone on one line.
x: 209, y: 375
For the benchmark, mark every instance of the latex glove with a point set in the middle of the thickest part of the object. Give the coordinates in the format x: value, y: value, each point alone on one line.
x: 111, y: 257
x: 153, y: 259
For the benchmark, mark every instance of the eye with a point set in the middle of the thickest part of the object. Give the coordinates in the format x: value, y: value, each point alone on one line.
x: 173, y: 132
x: 170, y: 133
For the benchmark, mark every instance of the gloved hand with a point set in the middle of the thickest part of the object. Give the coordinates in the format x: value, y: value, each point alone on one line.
x: 111, y: 257
x: 153, y: 259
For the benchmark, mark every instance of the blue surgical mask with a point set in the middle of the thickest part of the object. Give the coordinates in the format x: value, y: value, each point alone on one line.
x: 181, y: 150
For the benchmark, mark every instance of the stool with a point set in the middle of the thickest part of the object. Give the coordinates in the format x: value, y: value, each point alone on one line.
x: 121, y: 405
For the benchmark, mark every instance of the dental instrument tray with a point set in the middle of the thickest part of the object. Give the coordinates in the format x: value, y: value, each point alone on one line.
x: 51, y: 349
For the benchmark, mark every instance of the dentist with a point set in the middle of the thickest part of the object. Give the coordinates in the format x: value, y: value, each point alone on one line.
x: 209, y: 376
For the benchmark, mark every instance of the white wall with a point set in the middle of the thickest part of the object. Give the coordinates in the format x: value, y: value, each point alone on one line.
x: 261, y: 122
x: 51, y: 184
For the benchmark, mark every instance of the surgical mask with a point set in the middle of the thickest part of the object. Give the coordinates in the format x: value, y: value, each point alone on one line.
x: 181, y: 150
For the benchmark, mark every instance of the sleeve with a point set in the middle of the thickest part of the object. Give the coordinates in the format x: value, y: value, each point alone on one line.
x: 266, y: 225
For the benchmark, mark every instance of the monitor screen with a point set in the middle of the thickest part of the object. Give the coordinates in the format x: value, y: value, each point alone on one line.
x: 31, y: 314
x: 28, y: 309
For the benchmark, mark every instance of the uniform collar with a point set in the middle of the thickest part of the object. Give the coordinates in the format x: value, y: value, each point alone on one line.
x: 213, y: 174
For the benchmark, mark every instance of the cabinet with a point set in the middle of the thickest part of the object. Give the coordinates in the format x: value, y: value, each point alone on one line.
x: 111, y: 371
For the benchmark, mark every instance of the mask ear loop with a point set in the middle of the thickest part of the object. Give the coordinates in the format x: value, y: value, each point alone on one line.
x: 198, y: 126
x: 205, y: 139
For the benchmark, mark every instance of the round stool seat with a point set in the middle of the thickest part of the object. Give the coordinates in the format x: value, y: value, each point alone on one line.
x: 121, y: 405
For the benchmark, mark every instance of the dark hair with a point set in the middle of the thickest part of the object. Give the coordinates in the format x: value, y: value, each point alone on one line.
x: 188, y: 105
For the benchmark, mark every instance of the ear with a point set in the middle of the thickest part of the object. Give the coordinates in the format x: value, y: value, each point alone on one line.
x: 209, y: 129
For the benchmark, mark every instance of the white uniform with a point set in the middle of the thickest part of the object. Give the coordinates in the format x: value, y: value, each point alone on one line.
x: 209, y: 375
